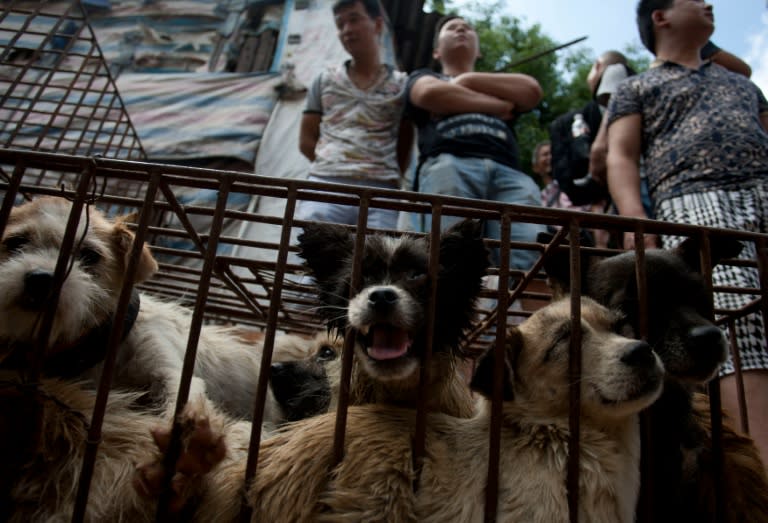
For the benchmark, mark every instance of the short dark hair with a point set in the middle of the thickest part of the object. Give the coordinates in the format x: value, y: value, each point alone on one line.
x: 372, y: 7
x: 645, y: 9
x: 439, y: 25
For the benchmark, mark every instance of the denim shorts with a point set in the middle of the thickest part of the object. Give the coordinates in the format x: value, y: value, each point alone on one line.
x: 346, y: 214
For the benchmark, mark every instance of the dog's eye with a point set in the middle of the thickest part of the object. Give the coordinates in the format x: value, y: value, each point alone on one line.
x: 417, y: 275
x: 561, y: 343
x: 326, y: 353
x: 89, y: 257
x: 14, y: 244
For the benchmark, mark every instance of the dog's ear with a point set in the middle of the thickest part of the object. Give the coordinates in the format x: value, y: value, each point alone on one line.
x: 557, y: 265
x: 463, y: 252
x: 464, y: 259
x: 323, y: 247
x: 132, y: 217
x: 123, y: 238
x: 721, y: 248
x: 482, y: 379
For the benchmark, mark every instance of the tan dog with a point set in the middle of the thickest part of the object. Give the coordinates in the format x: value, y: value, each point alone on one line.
x: 151, y: 355
x: 374, y: 481
x: 48, y: 459
x: 42, y: 461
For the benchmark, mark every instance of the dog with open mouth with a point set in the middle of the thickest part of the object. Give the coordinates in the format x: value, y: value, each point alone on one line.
x: 298, y: 480
x: 388, y: 312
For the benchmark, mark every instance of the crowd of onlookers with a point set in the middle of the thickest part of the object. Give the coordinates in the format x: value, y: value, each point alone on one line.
x: 685, y: 141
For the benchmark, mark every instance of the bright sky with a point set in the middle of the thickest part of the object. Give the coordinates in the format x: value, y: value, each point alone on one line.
x: 741, y: 26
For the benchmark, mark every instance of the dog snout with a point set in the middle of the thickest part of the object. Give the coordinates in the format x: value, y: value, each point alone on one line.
x: 37, y: 288
x: 707, y: 340
x: 382, y: 300
x: 706, y: 336
x: 639, y: 354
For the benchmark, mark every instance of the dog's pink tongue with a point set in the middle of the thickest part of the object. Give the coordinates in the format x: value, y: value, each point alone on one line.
x: 388, y: 343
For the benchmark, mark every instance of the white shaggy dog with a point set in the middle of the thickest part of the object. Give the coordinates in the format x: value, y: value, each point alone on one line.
x: 151, y: 354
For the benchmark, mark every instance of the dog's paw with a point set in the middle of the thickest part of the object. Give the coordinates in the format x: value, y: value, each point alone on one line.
x: 202, y: 448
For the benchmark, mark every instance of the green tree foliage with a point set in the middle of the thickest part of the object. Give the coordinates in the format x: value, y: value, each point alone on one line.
x: 505, y: 41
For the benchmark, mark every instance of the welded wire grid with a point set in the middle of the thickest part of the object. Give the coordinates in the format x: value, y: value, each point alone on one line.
x: 255, y: 279
x: 56, y: 90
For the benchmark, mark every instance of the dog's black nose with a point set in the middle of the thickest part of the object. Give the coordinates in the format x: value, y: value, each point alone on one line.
x: 706, y: 336
x: 382, y: 299
x: 639, y: 354
x: 37, y: 288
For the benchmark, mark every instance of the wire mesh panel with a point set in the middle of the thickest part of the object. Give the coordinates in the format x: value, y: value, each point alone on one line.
x: 56, y: 90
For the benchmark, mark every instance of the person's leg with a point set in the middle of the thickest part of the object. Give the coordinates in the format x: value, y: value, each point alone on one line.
x: 449, y: 175
x: 756, y: 395
x: 512, y: 186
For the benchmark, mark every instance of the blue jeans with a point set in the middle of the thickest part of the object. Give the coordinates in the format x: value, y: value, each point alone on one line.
x: 484, y: 179
x: 345, y: 214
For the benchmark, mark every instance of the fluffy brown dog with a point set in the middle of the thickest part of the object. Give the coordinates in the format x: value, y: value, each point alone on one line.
x: 42, y: 461
x: 691, y: 347
x: 151, y: 355
x: 374, y: 482
x: 388, y: 313
x: 49, y: 469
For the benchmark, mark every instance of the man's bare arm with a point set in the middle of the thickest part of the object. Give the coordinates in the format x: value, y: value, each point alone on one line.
x: 624, y: 142
x: 442, y: 97
x: 404, y: 144
x: 309, y: 133
x: 598, y: 153
x: 523, y: 91
x: 732, y: 62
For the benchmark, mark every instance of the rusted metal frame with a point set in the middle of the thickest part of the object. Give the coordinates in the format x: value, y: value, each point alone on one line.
x: 349, y: 338
x: 761, y: 248
x: 418, y: 449
x: 59, y: 274
x: 239, y: 290
x: 266, y: 356
x: 499, y: 357
x: 43, y: 83
x: 93, y: 108
x: 116, y: 95
x: 181, y: 214
x: 4, y: 11
x: 574, y: 375
x: 552, y: 246
x: 10, y: 193
x: 174, y: 447
x: 115, y: 336
x: 12, y: 44
x: 715, y: 403
x: 69, y: 90
x: 736, y: 355
x: 349, y: 195
x: 646, y: 464
x: 94, y: 143
x: 59, y: 55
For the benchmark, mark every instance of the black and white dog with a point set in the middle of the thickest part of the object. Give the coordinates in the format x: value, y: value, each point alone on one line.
x: 388, y: 312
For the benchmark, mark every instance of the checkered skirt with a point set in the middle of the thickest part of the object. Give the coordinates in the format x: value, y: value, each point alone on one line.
x: 744, y: 209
